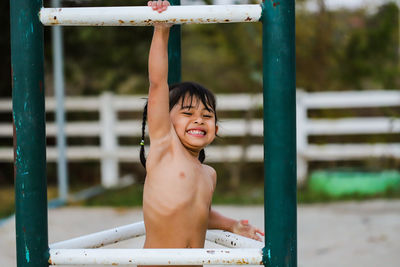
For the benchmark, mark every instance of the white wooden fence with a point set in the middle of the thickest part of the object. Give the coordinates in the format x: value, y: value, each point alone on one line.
x: 109, y: 128
x: 345, y: 126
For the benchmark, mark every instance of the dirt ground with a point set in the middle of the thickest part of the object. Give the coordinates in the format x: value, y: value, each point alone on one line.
x: 351, y: 234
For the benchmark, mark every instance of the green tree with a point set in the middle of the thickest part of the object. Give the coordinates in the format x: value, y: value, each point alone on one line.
x: 371, y: 56
x: 5, y: 65
x: 103, y: 58
x: 316, y: 49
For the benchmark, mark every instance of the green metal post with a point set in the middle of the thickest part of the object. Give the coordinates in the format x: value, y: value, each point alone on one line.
x: 279, y: 133
x: 174, y: 51
x: 29, y: 133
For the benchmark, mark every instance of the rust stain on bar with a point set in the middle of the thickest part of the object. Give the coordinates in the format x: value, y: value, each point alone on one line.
x: 54, y: 21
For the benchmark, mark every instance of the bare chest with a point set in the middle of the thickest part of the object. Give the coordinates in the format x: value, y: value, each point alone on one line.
x: 174, y: 185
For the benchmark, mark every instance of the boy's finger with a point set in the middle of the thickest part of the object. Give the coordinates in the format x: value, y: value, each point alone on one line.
x: 159, y: 4
x: 260, y: 232
x: 150, y: 3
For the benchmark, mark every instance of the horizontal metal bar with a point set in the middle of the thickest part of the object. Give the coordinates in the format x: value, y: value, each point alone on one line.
x: 103, y: 238
x: 145, y: 16
x: 114, y: 235
x: 156, y: 256
x: 231, y: 240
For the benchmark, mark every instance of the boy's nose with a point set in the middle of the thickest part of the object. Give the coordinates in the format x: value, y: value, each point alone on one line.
x: 199, y: 120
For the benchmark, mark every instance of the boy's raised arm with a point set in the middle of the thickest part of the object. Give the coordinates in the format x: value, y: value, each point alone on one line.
x: 158, y: 102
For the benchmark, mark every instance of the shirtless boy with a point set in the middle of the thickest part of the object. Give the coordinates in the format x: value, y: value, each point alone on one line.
x: 178, y: 188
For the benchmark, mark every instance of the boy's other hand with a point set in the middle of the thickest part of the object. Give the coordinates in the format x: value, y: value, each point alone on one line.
x: 243, y: 228
x: 159, y: 5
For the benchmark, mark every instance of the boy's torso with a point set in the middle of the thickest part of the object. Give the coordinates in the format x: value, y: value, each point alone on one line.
x: 176, y: 200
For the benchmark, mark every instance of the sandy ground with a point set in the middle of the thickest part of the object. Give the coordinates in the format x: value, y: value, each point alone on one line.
x: 342, y: 234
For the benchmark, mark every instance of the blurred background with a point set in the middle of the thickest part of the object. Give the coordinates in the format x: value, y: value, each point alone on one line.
x: 348, y: 80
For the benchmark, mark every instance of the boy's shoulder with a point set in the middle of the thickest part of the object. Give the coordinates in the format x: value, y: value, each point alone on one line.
x: 211, y: 173
x: 210, y: 170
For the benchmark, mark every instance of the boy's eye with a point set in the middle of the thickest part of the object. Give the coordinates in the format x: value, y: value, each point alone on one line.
x: 207, y: 116
x: 187, y: 113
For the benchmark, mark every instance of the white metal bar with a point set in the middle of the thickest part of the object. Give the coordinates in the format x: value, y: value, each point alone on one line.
x: 145, y: 16
x: 114, y: 235
x: 231, y: 240
x: 156, y: 256
x: 103, y: 238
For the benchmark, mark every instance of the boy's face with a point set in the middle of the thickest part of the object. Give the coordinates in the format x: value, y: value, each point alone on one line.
x: 194, y: 124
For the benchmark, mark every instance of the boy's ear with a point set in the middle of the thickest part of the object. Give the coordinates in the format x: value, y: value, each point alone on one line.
x: 216, y: 129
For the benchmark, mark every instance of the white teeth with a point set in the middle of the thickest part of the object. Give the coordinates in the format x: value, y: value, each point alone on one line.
x: 196, y: 132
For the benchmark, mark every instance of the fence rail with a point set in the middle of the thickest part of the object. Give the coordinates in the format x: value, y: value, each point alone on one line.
x: 109, y: 127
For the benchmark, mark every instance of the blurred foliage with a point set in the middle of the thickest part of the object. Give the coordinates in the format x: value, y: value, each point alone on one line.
x: 101, y: 59
x: 348, y: 50
x: 371, y: 55
x: 335, y: 50
x: 5, y: 63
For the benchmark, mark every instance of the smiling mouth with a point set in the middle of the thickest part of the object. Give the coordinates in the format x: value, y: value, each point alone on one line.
x: 196, y: 132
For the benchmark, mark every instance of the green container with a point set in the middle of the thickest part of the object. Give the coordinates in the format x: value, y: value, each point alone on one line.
x: 340, y: 183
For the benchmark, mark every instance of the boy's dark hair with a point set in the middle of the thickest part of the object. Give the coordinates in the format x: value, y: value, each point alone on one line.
x: 178, y: 92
